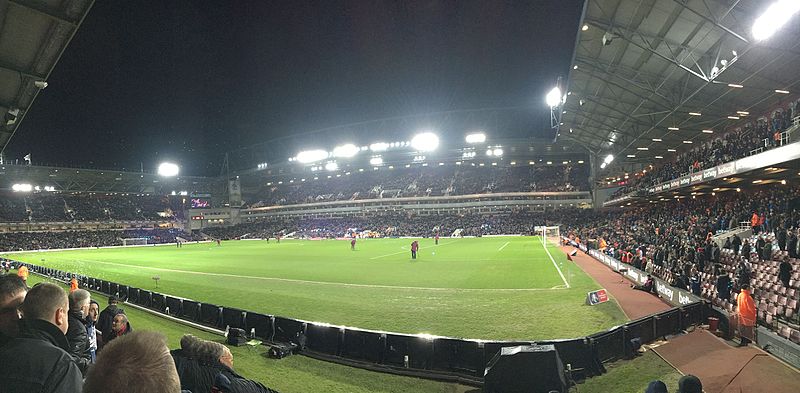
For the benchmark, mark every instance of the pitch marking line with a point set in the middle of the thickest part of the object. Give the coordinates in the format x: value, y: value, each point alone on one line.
x: 409, y: 250
x: 503, y: 246
x: 555, y: 264
x: 341, y: 284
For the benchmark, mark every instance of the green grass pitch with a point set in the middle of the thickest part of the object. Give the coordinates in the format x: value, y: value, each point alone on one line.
x: 488, y: 288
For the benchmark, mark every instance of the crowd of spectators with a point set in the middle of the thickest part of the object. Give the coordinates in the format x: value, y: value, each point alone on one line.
x: 394, y: 225
x: 53, y: 342
x: 760, y: 134
x: 66, y: 207
x: 674, y: 239
x: 18, y: 241
x: 426, y: 181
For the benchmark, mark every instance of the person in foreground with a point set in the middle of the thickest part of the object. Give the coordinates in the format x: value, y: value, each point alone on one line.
x: 690, y: 384
x: 77, y: 335
x: 135, y: 363
x: 12, y: 294
x: 203, y: 365
x: 37, y: 360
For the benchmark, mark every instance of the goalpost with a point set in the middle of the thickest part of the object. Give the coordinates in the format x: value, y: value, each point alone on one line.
x: 135, y: 241
x: 549, y: 235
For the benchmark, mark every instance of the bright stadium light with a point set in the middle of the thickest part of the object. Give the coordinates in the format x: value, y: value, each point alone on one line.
x: 426, y: 141
x: 22, y: 187
x: 309, y: 156
x: 346, y: 151
x: 608, y: 159
x: 380, y: 146
x: 553, y: 98
x: 376, y: 161
x: 774, y: 18
x: 497, y: 152
x: 168, y: 169
x: 477, y: 137
x: 331, y: 166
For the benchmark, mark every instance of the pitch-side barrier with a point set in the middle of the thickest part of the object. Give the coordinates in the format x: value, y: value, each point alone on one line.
x: 432, y: 357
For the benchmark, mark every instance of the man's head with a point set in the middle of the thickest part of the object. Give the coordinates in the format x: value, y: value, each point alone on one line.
x: 47, y: 302
x: 79, y: 301
x: 139, y: 362
x: 119, y: 322
x: 94, y: 310
x: 689, y: 384
x: 214, y: 351
x: 113, y: 300
x: 12, y: 294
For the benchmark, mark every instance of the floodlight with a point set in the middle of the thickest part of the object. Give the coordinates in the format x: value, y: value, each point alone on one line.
x: 497, y: 152
x: 603, y: 165
x: 774, y: 18
x: 553, y: 98
x: 426, y: 141
x: 309, y: 156
x: 22, y: 187
x: 168, y: 169
x: 331, y: 166
x: 380, y: 146
x: 376, y: 161
x: 478, y: 137
x: 489, y: 152
x: 346, y: 151
x: 608, y: 159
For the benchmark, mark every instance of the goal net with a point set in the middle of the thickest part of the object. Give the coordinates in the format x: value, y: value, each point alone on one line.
x: 134, y: 241
x: 549, y: 235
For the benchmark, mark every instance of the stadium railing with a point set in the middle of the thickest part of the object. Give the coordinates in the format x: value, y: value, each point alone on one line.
x: 432, y: 357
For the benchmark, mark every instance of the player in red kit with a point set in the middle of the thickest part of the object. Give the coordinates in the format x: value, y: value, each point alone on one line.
x: 353, y: 244
x: 414, y: 248
x: 436, y: 238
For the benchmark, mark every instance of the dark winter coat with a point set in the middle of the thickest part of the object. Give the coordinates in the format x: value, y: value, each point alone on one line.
x: 78, y: 340
x: 37, y: 361
x: 199, y: 375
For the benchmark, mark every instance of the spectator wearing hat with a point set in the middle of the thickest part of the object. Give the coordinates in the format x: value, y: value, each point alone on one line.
x: 106, y: 317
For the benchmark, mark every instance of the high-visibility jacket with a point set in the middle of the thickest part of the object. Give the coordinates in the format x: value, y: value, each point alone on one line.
x: 754, y: 220
x: 73, y: 285
x: 746, y: 308
x: 22, y: 272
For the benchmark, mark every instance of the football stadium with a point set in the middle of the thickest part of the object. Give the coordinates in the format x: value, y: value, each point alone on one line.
x: 364, y: 197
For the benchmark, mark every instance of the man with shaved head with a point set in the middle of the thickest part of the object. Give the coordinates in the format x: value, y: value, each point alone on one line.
x: 37, y: 360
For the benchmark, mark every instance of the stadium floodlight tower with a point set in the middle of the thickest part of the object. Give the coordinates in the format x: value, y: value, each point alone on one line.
x: 168, y: 169
x: 555, y: 99
x: 475, y: 138
x: 425, y: 141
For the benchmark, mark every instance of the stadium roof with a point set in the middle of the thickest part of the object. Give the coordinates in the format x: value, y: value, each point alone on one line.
x: 33, y: 35
x: 644, y: 69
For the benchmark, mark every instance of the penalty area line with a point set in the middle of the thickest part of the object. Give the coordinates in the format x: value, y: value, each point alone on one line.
x: 503, y: 246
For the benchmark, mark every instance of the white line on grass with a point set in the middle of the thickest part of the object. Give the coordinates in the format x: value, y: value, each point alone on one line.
x: 503, y: 246
x: 342, y: 284
x: 556, y: 265
x: 409, y: 250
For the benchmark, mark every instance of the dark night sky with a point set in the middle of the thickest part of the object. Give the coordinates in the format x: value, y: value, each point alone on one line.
x: 144, y: 81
